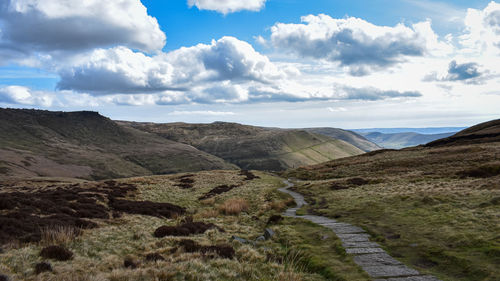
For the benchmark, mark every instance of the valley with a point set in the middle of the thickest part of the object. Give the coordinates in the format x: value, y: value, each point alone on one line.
x: 432, y: 210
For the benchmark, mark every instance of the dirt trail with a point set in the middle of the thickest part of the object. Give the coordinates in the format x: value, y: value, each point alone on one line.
x: 367, y: 254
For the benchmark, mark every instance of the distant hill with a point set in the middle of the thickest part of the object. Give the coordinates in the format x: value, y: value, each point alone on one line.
x: 402, y: 140
x: 88, y: 145
x: 252, y: 147
x: 351, y: 137
x: 425, y: 131
x: 481, y: 133
x: 424, y: 203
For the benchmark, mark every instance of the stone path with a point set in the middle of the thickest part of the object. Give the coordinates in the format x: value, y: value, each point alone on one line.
x: 367, y: 254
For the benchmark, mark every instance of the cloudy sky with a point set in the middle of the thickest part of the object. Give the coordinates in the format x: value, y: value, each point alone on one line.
x: 287, y: 63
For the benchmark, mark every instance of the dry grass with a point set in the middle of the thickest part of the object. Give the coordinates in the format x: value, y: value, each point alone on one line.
x: 208, y: 202
x: 58, y: 235
x: 207, y: 213
x: 99, y: 253
x: 434, y: 208
x: 233, y: 206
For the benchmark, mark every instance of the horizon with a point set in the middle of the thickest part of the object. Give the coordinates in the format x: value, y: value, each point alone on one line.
x: 374, y: 129
x: 321, y: 64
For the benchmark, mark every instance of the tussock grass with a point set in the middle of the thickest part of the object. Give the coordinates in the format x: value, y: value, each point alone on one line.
x: 59, y: 235
x: 99, y: 254
x: 423, y: 208
x: 233, y: 206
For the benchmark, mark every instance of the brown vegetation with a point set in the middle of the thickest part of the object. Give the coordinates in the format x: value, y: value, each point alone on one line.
x: 56, y: 253
x: 217, y: 190
x: 223, y: 251
x: 233, y: 206
x: 184, y: 229
x: 42, y: 267
x: 154, y: 257
x: 57, y: 212
x: 248, y: 175
x: 148, y: 208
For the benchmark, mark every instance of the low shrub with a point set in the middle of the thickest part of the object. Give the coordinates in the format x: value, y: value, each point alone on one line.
x: 56, y: 253
x: 42, y: 267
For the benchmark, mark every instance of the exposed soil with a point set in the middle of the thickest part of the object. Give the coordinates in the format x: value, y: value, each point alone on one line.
x: 56, y: 253
x: 485, y: 171
x: 154, y: 257
x: 274, y: 219
x: 129, y: 263
x: 248, y: 175
x: 217, y: 190
x: 148, y: 208
x: 185, y: 181
x: 223, y: 251
x: 42, y: 267
x: 185, y: 229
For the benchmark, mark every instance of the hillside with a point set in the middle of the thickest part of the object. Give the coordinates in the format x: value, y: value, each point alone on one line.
x: 252, y: 147
x: 481, y: 133
x: 402, y: 140
x: 436, y: 207
x: 88, y: 145
x: 350, y: 137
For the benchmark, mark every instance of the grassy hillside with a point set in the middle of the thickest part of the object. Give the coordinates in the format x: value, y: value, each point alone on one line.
x: 350, y: 137
x: 434, y: 207
x: 88, y: 145
x: 122, y: 244
x: 402, y: 140
x: 481, y: 133
x: 252, y: 147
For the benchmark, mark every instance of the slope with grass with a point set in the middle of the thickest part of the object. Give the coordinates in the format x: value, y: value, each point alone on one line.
x: 88, y: 145
x: 252, y: 147
x: 402, y: 140
x: 137, y: 243
x: 351, y: 137
x: 435, y: 208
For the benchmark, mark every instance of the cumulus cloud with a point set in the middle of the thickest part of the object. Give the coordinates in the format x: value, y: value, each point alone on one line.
x: 469, y: 73
x: 24, y: 96
x: 121, y: 70
x: 202, y: 112
x: 354, y: 42
x: 228, y: 6
x: 465, y: 71
x: 343, y: 92
x: 61, y: 25
x: 482, y: 29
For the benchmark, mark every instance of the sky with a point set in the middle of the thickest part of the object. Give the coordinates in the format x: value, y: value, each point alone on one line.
x: 281, y: 63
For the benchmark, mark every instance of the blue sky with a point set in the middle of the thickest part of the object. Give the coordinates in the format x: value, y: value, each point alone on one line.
x: 285, y: 63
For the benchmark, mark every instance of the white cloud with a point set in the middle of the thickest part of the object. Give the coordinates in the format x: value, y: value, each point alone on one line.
x: 24, y: 96
x: 204, y: 70
x: 202, y: 112
x: 29, y: 26
x: 228, y: 6
x: 356, y: 43
x: 482, y: 32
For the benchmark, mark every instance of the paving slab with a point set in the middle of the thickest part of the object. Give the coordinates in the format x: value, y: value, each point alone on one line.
x: 411, y: 278
x: 346, y: 229
x: 368, y: 255
x: 335, y: 224
x: 375, y: 259
x: 356, y: 251
x: 360, y: 245
x: 389, y: 271
x: 319, y: 219
x: 354, y: 237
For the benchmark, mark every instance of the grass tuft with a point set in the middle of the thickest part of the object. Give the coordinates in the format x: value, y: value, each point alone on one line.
x: 233, y: 206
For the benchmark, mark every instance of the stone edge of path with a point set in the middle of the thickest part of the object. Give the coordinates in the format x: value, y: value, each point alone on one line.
x: 367, y: 254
